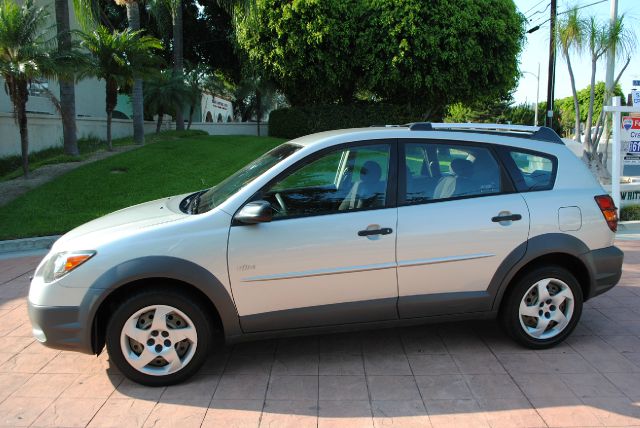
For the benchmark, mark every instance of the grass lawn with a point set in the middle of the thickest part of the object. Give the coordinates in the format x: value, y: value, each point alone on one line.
x: 173, y: 164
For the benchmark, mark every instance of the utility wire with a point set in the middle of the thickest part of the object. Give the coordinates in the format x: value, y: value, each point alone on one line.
x: 537, y: 26
x: 533, y: 7
x: 538, y: 11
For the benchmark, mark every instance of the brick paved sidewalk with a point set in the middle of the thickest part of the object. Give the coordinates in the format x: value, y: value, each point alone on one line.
x: 456, y: 374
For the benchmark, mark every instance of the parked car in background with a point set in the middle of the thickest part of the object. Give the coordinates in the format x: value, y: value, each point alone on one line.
x: 338, y: 230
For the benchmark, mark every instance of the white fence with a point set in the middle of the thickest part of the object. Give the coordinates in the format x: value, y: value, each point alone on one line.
x: 46, y: 130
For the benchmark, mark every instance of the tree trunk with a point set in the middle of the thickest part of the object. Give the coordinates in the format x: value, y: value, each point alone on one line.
x: 576, y: 104
x: 587, y: 138
x: 67, y: 88
x: 159, y: 124
x: 111, y: 101
x: 137, y: 101
x: 258, y: 109
x: 21, y: 112
x: 191, y: 110
x: 178, y: 58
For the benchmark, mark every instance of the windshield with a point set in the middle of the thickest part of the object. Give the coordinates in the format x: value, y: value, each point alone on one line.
x: 218, y: 194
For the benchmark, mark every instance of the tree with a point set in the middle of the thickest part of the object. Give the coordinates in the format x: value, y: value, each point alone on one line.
x: 257, y: 95
x: 137, y: 101
x: 26, y: 54
x: 603, y: 38
x: 67, y: 86
x: 567, y: 108
x: 570, y: 35
x: 118, y: 58
x: 427, y: 54
x: 164, y: 93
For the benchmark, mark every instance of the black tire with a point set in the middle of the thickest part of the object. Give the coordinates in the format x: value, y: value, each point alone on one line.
x: 510, y: 310
x: 168, y: 296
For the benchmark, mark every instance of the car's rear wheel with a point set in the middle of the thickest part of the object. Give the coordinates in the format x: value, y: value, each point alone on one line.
x: 159, y: 337
x: 543, y: 307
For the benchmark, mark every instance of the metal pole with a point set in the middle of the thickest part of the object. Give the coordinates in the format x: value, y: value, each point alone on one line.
x: 535, y: 120
x: 552, y: 67
x: 615, y: 155
x: 611, y: 63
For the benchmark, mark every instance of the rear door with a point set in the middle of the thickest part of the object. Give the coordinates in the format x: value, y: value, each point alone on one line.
x: 459, y: 219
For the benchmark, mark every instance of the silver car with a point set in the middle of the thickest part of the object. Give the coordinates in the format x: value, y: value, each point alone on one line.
x: 338, y: 230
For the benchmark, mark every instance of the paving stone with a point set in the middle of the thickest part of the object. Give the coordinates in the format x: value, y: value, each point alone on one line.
x: 341, y: 363
x: 405, y: 414
x: 287, y: 387
x: 233, y: 413
x: 69, y: 412
x: 343, y: 388
x: 290, y: 414
x: 345, y: 413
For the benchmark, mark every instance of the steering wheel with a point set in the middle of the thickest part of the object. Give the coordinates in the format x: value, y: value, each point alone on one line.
x: 283, y: 207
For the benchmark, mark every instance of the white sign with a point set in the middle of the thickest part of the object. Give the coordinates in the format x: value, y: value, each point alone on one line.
x: 630, y: 140
x: 635, y: 96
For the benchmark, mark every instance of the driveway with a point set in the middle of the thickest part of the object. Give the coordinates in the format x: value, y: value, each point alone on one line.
x: 455, y: 374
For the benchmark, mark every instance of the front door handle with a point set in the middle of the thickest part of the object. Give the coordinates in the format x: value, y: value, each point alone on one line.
x: 371, y: 232
x: 507, y: 217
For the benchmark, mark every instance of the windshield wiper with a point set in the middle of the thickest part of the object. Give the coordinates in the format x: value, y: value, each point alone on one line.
x: 192, y: 208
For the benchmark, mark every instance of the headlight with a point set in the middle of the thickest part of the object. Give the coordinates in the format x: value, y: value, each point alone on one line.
x: 61, y: 264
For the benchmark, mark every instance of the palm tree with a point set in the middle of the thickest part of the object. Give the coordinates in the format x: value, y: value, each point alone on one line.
x: 26, y: 54
x: 603, y: 38
x: 164, y: 93
x: 137, y: 99
x: 67, y: 87
x: 570, y: 35
x: 258, y: 96
x: 118, y: 58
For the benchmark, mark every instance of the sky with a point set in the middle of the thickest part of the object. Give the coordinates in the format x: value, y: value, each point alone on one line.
x: 536, y: 49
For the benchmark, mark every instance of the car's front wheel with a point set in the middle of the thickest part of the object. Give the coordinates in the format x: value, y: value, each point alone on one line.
x: 543, y: 307
x: 159, y: 337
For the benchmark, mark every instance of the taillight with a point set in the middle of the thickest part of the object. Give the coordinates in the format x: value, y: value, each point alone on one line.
x: 609, y: 210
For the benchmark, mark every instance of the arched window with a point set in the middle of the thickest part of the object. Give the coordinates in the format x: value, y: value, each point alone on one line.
x: 209, y: 118
x: 219, y: 117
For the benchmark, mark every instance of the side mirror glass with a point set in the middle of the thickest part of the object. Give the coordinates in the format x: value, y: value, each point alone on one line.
x: 255, y: 212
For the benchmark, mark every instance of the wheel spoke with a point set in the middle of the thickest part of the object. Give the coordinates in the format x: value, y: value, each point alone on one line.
x: 543, y: 292
x: 530, y: 311
x: 561, y: 319
x: 180, y: 334
x: 561, y: 296
x: 142, y: 360
x: 172, y: 358
x: 131, y: 330
x: 160, y: 318
x: 543, y: 323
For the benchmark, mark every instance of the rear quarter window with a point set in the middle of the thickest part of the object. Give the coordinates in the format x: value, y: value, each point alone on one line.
x: 531, y: 171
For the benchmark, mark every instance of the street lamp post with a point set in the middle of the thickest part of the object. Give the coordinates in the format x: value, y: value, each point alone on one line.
x: 537, y: 76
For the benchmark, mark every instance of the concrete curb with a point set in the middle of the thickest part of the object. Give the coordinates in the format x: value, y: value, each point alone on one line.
x: 27, y: 244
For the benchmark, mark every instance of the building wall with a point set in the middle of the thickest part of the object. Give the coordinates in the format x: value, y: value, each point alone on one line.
x: 213, y: 108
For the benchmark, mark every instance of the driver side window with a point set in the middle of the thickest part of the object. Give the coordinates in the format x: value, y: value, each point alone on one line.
x: 352, y: 178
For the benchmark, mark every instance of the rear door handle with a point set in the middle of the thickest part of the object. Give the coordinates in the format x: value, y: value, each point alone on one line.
x: 509, y: 217
x: 370, y: 232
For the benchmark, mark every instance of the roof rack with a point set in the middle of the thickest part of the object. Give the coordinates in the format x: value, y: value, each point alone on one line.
x: 520, y: 131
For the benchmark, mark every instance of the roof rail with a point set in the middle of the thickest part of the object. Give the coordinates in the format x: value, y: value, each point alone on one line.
x: 521, y: 131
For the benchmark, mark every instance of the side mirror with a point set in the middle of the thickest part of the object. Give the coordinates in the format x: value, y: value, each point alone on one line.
x: 255, y: 212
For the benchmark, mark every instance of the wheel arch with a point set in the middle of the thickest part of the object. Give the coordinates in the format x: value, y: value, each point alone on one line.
x: 114, y: 284
x: 559, y: 249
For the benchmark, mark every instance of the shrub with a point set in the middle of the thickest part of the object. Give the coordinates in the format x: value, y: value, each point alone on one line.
x: 630, y: 213
x: 294, y: 122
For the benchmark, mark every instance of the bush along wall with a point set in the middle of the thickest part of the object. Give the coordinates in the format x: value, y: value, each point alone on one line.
x: 295, y: 122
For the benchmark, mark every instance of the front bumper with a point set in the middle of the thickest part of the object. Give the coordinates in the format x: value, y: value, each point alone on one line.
x: 60, y: 327
x: 606, y: 267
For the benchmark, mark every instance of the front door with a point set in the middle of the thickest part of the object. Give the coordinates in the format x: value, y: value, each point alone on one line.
x: 458, y: 220
x: 328, y: 256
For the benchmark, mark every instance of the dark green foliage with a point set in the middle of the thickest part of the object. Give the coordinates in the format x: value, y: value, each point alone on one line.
x: 297, y: 121
x: 568, y: 112
x: 630, y: 213
x: 425, y: 54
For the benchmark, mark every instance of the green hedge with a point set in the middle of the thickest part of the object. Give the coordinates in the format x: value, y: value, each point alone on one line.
x: 630, y: 213
x: 298, y: 121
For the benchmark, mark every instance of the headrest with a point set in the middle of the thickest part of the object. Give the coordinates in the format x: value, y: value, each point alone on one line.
x: 462, y: 167
x: 370, y: 172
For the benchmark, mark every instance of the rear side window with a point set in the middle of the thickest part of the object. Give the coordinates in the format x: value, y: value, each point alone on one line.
x: 532, y: 171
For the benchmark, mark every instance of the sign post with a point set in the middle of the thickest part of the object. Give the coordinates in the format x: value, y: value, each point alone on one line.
x: 616, y: 109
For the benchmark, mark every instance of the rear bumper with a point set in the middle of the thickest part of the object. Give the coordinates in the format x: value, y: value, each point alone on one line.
x: 60, y: 327
x: 606, y: 269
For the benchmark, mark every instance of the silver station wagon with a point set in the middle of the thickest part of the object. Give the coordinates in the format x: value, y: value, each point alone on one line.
x: 338, y: 230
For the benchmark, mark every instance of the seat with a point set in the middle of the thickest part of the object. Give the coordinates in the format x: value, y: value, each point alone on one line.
x: 457, y: 184
x: 367, y: 192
